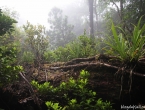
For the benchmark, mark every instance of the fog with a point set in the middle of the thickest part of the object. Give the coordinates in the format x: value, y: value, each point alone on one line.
x: 35, y: 11
x: 77, y: 12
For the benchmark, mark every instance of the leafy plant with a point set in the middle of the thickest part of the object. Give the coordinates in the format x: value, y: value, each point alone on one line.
x: 137, y: 42
x: 53, y: 106
x: 79, y: 48
x: 8, y: 51
x: 8, y: 73
x: 127, y: 50
x: 45, y: 88
x: 118, y: 45
x: 27, y: 57
x: 103, y: 105
x: 37, y: 41
x: 6, y: 23
x: 72, y: 95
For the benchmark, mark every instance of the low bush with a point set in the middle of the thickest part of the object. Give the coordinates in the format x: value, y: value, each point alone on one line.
x: 8, y: 71
x: 71, y: 95
x: 82, y: 47
x: 27, y: 57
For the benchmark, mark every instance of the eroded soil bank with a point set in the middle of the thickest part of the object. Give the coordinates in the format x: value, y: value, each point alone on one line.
x: 106, y: 74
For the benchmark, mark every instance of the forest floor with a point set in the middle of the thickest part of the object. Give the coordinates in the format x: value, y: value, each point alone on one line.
x: 106, y: 73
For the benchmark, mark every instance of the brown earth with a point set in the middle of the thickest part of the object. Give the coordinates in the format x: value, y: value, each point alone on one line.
x: 106, y: 74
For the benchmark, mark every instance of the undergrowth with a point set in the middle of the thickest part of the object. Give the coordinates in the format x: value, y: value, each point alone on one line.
x: 71, y: 95
x: 127, y: 50
x: 79, y: 48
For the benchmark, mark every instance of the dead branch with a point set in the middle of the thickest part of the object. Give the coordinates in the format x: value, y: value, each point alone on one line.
x: 97, y: 65
x: 119, y: 13
x: 78, y: 60
x: 34, y: 97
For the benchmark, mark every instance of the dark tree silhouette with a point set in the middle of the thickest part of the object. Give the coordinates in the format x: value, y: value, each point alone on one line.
x: 91, y: 18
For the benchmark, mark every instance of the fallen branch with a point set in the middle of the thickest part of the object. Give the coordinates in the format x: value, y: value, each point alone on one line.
x: 34, y: 97
x: 97, y: 65
x: 78, y: 60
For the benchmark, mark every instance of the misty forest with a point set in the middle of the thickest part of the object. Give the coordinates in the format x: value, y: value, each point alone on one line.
x: 92, y: 57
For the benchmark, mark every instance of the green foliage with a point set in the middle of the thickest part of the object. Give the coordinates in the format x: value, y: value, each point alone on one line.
x: 118, y: 45
x: 72, y: 95
x: 133, y: 11
x: 80, y: 48
x: 53, y: 106
x: 14, y: 37
x: 7, y: 36
x: 137, y: 42
x: 84, y: 74
x: 37, y: 41
x: 44, y: 89
x: 27, y: 57
x: 127, y: 50
x: 8, y: 51
x: 103, y: 105
x: 8, y: 73
x: 6, y: 23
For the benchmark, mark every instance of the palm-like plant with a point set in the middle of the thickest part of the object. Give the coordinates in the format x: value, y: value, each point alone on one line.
x: 137, y: 42
x: 127, y: 51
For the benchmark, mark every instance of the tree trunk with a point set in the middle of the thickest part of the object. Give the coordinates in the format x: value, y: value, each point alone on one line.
x: 91, y: 18
x: 122, y: 15
x: 96, y: 14
x: 140, y: 8
x: 121, y: 10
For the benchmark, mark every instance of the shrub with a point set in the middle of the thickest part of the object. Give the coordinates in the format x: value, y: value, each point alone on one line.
x: 79, y: 48
x: 72, y: 95
x: 27, y: 57
x: 8, y: 73
x: 8, y: 51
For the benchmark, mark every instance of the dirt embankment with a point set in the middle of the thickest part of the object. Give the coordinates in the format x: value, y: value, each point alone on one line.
x: 112, y: 80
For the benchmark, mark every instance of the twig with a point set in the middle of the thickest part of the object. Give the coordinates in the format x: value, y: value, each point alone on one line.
x: 46, y: 76
x: 32, y: 90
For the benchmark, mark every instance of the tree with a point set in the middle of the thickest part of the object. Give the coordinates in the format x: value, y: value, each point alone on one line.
x: 7, y: 27
x: 6, y: 23
x: 11, y: 13
x: 78, y: 16
x: 91, y: 2
x: 100, y: 8
x: 17, y: 36
x: 129, y: 12
x: 134, y: 10
x: 8, y: 51
x: 36, y: 40
x: 60, y: 31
